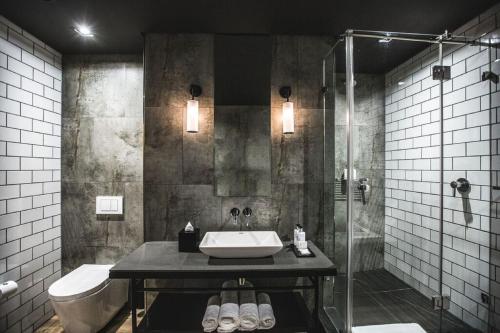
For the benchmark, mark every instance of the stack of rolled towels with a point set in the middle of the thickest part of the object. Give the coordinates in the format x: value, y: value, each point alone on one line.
x: 243, y: 310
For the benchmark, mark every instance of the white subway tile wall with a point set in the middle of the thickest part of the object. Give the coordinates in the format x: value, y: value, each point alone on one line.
x: 412, y: 177
x: 30, y: 231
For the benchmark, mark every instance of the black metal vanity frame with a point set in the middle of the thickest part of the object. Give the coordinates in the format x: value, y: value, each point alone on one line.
x: 138, y: 266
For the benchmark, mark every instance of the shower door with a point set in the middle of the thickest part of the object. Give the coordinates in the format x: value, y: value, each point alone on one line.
x: 411, y: 215
x: 395, y: 175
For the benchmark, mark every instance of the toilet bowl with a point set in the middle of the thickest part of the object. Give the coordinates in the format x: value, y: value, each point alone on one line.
x: 85, y: 300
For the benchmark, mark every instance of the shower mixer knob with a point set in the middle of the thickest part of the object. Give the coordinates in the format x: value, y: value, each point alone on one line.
x: 461, y: 185
x: 363, y: 188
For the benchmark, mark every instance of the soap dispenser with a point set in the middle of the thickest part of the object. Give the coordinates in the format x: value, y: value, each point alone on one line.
x: 296, y: 231
x: 301, y: 237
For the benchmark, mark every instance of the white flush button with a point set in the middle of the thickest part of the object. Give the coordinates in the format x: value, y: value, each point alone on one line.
x: 105, y: 205
x: 112, y: 205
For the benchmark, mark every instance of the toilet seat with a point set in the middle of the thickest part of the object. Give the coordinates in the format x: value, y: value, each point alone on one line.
x: 82, y: 282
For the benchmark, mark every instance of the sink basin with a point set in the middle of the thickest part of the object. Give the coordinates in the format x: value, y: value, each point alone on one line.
x: 241, y: 244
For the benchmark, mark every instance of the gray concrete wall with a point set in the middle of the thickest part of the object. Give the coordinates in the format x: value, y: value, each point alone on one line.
x: 178, y: 166
x: 102, y: 155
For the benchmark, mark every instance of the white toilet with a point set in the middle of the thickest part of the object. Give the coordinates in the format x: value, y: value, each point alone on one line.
x: 85, y: 300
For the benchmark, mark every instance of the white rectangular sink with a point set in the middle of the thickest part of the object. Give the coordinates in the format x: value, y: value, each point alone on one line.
x: 241, y: 244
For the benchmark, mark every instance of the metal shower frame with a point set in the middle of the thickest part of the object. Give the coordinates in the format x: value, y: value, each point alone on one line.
x: 348, y: 37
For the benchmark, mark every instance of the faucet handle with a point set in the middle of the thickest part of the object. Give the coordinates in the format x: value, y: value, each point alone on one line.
x: 247, y: 212
x: 235, y: 212
x: 454, y: 185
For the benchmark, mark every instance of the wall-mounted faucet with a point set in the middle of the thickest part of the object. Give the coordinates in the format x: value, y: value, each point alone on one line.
x: 235, y: 213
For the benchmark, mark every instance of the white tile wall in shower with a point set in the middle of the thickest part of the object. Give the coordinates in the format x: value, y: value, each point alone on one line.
x: 412, y: 175
x: 30, y: 119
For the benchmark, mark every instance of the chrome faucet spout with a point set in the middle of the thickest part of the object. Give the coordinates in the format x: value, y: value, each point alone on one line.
x: 247, y: 212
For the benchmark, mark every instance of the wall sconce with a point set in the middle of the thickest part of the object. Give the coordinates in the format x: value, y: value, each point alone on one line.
x: 288, y: 116
x: 192, y: 109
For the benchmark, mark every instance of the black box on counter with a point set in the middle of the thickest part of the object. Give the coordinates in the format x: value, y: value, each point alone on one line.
x: 189, y: 240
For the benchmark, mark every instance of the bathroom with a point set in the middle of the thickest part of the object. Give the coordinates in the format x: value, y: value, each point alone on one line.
x: 175, y: 113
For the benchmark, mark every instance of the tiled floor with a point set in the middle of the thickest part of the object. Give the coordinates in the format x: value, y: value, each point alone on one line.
x: 120, y: 324
x: 381, y: 298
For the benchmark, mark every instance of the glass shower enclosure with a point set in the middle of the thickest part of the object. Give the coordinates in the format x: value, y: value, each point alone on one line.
x: 409, y: 179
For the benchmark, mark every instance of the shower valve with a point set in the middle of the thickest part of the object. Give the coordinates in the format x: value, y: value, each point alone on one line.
x: 461, y: 185
x: 363, y: 188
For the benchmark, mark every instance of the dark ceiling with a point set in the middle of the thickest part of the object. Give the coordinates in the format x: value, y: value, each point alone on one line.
x: 118, y: 23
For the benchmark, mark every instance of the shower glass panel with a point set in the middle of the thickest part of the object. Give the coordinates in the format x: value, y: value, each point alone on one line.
x: 418, y: 211
x: 466, y: 185
x: 396, y: 253
x: 334, y: 99
x: 411, y: 215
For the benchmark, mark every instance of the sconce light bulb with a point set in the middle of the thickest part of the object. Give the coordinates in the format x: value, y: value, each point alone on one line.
x: 192, y: 116
x: 288, y: 118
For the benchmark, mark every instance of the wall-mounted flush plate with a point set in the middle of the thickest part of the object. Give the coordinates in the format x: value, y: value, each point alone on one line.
x: 109, y: 205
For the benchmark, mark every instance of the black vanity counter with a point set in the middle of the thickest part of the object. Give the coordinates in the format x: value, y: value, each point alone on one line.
x: 162, y: 260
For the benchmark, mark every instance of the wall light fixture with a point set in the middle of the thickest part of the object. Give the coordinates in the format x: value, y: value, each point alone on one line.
x: 288, y: 114
x: 192, y: 109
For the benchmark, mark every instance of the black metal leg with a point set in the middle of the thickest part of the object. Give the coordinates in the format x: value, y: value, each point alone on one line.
x: 317, y: 323
x: 133, y: 306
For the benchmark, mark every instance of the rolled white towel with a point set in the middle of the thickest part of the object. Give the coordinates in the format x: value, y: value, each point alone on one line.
x: 266, y: 314
x: 249, y: 312
x: 229, y: 315
x: 211, y: 317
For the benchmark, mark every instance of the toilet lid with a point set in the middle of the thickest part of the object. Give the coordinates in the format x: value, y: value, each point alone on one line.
x: 83, y: 281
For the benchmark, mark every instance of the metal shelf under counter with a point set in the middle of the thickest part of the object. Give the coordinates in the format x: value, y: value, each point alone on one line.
x: 183, y: 313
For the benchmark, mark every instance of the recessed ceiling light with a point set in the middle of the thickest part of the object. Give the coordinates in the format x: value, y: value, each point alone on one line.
x: 84, y: 31
x: 385, y: 40
x: 400, y: 83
